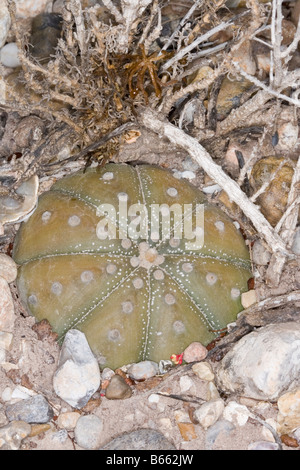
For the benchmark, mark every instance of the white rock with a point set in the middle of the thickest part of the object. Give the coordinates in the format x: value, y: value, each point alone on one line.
x: 30, y: 8
x: 288, y: 136
x: 185, y: 383
x: 8, y: 268
x: 153, y: 398
x: 5, y: 22
x: 263, y: 445
x: 248, y: 298
x: 78, y: 376
x: 236, y: 414
x: 9, y: 55
x: 182, y: 416
x: 263, y: 364
x: 260, y: 253
x: 209, y: 413
x: 107, y: 373
x: 5, y: 340
x: 21, y: 393
x: 143, y: 370
x: 189, y: 175
x: 6, y: 394
x: 203, y: 370
x: 7, y: 311
x: 68, y: 420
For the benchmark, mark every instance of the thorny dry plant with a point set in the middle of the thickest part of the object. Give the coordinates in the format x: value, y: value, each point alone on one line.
x: 119, y: 67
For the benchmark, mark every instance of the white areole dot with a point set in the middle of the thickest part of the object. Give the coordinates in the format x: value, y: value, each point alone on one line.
x: 235, y: 293
x: 174, y: 242
x: 187, y: 267
x: 111, y: 268
x: 46, y: 216
x: 170, y: 299
x: 126, y: 243
x: 32, y: 299
x: 87, y: 276
x: 56, y: 288
x: 211, y: 278
x: 178, y: 326
x: 127, y: 307
x: 108, y: 176
x: 138, y: 283
x: 172, y: 192
x: 158, y: 275
x: 134, y: 261
x: 74, y: 220
x: 220, y: 225
x: 114, y: 335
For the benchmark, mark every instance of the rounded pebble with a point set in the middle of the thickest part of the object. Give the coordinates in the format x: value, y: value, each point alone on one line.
x: 140, y: 439
x: 143, y: 370
x: 236, y: 413
x: 68, y: 420
x: 118, y: 389
x: 88, y: 432
x: 7, y: 311
x: 204, y: 371
x: 8, y: 268
x: 209, y: 413
x: 263, y: 445
x: 9, y: 55
x: 195, y: 352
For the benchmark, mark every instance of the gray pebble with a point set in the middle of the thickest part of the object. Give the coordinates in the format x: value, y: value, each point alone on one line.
x: 221, y: 426
x: 143, y: 370
x: 263, y: 445
x: 88, y: 432
x: 141, y: 439
x: 30, y: 410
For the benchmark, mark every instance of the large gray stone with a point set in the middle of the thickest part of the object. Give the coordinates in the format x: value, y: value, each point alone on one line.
x: 30, y: 410
x: 78, y: 376
x: 263, y: 364
x: 88, y: 432
x: 141, y: 439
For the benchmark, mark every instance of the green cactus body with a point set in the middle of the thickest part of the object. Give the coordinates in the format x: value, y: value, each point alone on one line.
x: 135, y: 297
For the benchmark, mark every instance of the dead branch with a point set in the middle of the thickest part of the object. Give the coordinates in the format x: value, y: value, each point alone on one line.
x: 150, y: 120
